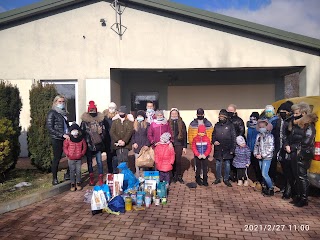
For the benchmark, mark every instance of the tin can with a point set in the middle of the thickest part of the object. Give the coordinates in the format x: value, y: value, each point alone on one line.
x: 139, y: 199
x: 128, y: 203
x: 157, y: 201
x: 148, y: 200
x: 134, y: 198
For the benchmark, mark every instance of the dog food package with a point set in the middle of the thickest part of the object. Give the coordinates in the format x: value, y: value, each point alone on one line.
x: 152, y: 175
x: 109, y: 182
x: 117, y: 184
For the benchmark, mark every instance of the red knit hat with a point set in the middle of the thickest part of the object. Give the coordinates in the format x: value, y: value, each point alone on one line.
x: 92, y: 105
x: 202, y: 129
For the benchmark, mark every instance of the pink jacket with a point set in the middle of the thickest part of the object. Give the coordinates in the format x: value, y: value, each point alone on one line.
x: 156, y: 130
x: 164, y: 157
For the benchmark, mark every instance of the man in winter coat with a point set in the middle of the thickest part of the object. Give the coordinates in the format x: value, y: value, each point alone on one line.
x: 224, y: 141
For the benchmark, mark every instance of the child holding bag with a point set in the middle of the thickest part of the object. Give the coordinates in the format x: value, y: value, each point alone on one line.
x: 241, y: 161
x: 164, y: 157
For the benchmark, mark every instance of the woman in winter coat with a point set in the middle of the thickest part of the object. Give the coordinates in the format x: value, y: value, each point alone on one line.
x: 263, y: 150
x: 93, y: 127
x: 140, y: 135
x: 164, y: 157
x: 57, y: 126
x: 224, y: 141
x: 159, y: 126
x: 300, y: 145
x: 179, y: 140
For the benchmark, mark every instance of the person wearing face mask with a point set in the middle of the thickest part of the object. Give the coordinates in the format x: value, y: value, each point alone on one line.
x: 121, y: 132
x: 279, y: 133
x: 224, y: 141
x: 264, y: 150
x: 140, y: 136
x: 299, y: 144
x: 93, y: 127
x: 150, y: 113
x: 179, y: 140
x: 57, y: 126
x: 159, y: 126
x: 109, y: 114
x: 252, y: 133
x: 200, y: 120
x: 236, y: 120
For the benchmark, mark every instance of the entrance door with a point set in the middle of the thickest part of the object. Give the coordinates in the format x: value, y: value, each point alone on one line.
x: 139, y: 100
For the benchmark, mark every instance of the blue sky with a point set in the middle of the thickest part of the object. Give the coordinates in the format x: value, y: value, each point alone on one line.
x: 298, y: 16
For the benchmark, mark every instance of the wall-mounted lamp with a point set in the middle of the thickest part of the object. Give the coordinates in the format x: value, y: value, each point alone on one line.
x: 103, y: 22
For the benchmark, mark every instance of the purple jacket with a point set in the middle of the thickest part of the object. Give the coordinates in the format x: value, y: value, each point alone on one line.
x: 140, y: 137
x: 242, y: 157
x: 156, y: 130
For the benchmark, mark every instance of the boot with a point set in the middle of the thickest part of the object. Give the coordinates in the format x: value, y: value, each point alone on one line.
x: 287, y: 192
x: 246, y: 183
x: 73, y: 187
x: 100, y: 179
x: 205, y: 181
x: 174, y: 178
x: 199, y: 182
x: 264, y: 190
x: 303, y: 202
x: 217, y: 181
x: 258, y: 187
x: 91, y: 183
x: 295, y: 199
x: 180, y: 179
x: 227, y: 183
x: 240, y: 183
x: 79, y: 187
x: 55, y: 181
x: 269, y: 192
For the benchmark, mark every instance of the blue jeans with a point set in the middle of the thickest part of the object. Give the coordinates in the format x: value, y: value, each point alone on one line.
x: 226, y: 169
x: 90, y: 155
x: 265, y: 166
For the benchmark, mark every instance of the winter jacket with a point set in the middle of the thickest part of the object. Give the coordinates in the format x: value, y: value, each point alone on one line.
x: 251, y: 136
x: 121, y: 131
x: 74, y: 150
x: 140, y: 137
x: 301, y: 136
x: 225, y: 134
x: 156, y: 130
x: 201, y: 145
x: 264, y: 146
x: 242, y: 157
x: 193, y: 129
x: 164, y: 156
x: 279, y: 134
x: 238, y: 125
x: 107, y: 123
x: 93, y: 125
x: 174, y: 124
x: 56, y: 125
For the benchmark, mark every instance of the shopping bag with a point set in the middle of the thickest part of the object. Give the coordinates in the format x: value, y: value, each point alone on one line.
x: 117, y: 204
x: 98, y: 200
x: 130, y: 182
x: 145, y: 158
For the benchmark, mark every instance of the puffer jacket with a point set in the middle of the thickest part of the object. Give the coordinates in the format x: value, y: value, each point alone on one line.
x: 193, y: 129
x: 56, y: 125
x: 74, y: 150
x: 225, y: 134
x: 156, y: 130
x: 251, y: 135
x: 264, y: 146
x: 242, y: 157
x: 164, y: 156
x: 121, y: 131
x: 140, y: 137
x: 238, y: 125
x: 201, y: 145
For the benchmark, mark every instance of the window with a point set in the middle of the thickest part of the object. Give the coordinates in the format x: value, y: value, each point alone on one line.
x: 139, y: 100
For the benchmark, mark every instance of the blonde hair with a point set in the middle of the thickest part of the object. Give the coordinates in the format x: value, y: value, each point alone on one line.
x: 302, y: 107
x: 136, y: 124
x: 233, y: 106
x: 57, y: 98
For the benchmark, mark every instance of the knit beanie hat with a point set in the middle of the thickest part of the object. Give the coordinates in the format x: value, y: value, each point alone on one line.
x: 286, y: 106
x: 165, y: 137
x: 159, y: 112
x: 141, y: 113
x: 240, y: 140
x: 200, y: 111
x: 202, y: 129
x: 112, y: 105
x: 91, y: 106
x: 123, y: 109
x: 255, y: 115
x: 223, y: 112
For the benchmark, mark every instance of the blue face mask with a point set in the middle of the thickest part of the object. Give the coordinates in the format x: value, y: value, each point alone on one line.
x: 160, y: 119
x: 60, y: 105
x: 262, y: 130
x: 140, y: 119
x: 150, y: 110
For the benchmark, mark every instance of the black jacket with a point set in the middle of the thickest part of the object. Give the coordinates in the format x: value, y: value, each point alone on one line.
x: 56, y: 124
x: 225, y: 134
x: 238, y: 125
x: 175, y: 132
x: 277, y: 136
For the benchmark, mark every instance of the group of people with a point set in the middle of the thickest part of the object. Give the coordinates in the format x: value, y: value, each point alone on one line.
x: 286, y: 137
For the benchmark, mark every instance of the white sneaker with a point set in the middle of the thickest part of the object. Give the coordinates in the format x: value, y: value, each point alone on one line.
x: 246, y: 183
x: 240, y: 183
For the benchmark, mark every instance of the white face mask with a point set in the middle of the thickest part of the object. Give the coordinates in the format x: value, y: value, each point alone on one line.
x: 74, y: 132
x: 112, y: 110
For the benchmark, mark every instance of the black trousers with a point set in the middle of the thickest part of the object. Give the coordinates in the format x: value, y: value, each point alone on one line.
x: 177, y: 166
x: 288, y: 177
x: 301, y: 178
x: 256, y: 168
x: 273, y: 168
x: 202, y: 164
x: 110, y: 156
x: 241, y: 174
x: 57, y: 146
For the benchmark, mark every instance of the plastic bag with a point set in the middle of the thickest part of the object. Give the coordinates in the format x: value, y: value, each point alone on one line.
x: 105, y: 188
x: 145, y: 158
x: 117, y: 204
x: 130, y: 182
x: 162, y: 189
x: 98, y: 200
x: 88, y: 196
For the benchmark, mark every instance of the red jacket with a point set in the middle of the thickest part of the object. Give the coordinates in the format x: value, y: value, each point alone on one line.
x: 201, y: 145
x: 164, y: 157
x: 74, y: 150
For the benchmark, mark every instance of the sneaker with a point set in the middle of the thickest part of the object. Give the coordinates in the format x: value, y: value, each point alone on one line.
x: 227, y: 183
x: 73, y: 187
x: 246, y: 183
x: 79, y: 187
x: 240, y: 183
x: 217, y: 181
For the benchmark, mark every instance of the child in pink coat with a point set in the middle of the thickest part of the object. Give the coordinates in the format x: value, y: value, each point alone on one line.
x: 164, y: 157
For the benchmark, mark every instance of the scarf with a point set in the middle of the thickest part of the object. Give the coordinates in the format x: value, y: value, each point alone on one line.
x: 63, y: 112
